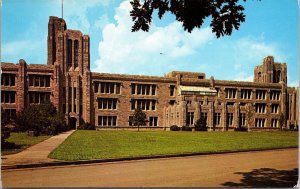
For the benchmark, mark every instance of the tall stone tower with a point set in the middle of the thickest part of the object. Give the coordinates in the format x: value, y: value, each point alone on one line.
x: 68, y: 52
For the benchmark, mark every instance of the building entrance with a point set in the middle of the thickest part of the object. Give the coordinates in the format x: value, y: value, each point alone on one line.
x: 72, y: 123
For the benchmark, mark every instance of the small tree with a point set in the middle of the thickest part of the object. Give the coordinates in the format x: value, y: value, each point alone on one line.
x: 139, y: 118
x: 249, y: 116
x: 281, y: 120
x: 5, y: 131
x: 200, y: 124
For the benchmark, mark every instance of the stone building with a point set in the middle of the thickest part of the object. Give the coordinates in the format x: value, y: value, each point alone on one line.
x: 178, y: 98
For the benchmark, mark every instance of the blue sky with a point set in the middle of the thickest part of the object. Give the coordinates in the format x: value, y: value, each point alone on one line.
x: 271, y: 28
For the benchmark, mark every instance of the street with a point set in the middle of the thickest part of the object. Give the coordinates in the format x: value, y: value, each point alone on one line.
x: 274, y: 168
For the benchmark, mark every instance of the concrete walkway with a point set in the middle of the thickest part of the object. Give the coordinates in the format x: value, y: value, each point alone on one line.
x: 37, y: 153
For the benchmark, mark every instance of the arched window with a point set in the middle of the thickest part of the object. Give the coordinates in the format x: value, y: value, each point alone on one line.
x: 278, y: 76
x: 259, y: 76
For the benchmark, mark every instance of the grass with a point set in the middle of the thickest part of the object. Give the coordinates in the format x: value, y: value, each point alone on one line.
x: 19, y: 141
x: 86, y: 145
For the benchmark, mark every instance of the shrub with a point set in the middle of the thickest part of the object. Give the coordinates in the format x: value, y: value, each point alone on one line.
x: 174, y: 128
x: 242, y: 128
x: 186, y: 128
x: 5, y: 131
x: 86, y: 126
x: 200, y: 125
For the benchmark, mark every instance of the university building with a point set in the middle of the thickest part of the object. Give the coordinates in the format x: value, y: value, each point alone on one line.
x: 178, y: 98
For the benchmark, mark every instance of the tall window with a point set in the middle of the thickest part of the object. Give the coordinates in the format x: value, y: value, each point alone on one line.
x: 107, y: 87
x: 172, y: 90
x: 153, y: 121
x: 76, y: 53
x: 217, y: 118
x: 242, y: 119
x: 190, y: 118
x: 229, y: 119
x: 204, y: 116
x: 69, y: 53
x: 38, y: 97
x: 274, y: 123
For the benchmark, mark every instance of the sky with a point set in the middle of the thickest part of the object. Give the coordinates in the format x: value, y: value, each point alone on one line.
x: 271, y: 28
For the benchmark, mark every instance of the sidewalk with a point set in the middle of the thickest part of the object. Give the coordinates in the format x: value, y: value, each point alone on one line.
x: 37, y: 153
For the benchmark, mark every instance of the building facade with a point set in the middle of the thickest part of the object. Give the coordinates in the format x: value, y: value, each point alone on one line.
x: 178, y: 98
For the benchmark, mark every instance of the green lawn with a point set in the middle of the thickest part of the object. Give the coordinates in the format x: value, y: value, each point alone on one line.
x: 85, y: 145
x: 20, y: 141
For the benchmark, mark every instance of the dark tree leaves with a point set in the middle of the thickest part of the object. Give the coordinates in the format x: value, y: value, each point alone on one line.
x: 226, y: 14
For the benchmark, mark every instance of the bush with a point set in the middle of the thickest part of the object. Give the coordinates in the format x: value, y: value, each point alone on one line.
x: 186, y: 128
x: 86, y: 126
x: 200, y: 125
x: 174, y: 128
x: 242, y: 128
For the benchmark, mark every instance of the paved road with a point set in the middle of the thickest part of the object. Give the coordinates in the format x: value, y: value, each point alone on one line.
x: 37, y: 153
x: 277, y: 168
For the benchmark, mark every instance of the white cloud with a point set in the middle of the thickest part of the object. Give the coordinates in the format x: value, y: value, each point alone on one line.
x: 101, y: 22
x: 293, y: 84
x: 123, y: 51
x: 243, y: 76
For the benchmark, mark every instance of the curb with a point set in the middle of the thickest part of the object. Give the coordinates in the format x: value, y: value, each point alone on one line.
x: 82, y: 162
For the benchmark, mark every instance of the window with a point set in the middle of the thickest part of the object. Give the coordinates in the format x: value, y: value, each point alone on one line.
x: 130, y: 119
x: 274, y: 95
x: 144, y: 104
x: 69, y: 53
x: 188, y: 102
x: 230, y: 93
x: 107, y: 120
x: 260, y: 108
x: 107, y: 103
x: 275, y: 108
x: 8, y: 79
x: 153, y: 121
x: 260, y: 94
x: 245, y: 93
x: 38, y: 97
x: 190, y: 118
x: 75, y: 53
x: 204, y: 116
x: 274, y: 123
x: 229, y: 119
x: 259, y: 122
x: 107, y: 87
x: 8, y: 96
x: 242, y: 119
x: 39, y: 80
x: 172, y: 90
x: 217, y: 118
x: 143, y: 89
x: 11, y: 113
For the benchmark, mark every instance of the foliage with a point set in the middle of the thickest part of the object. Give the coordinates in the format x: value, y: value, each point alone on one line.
x: 200, y: 124
x: 225, y: 14
x: 249, y: 115
x: 41, y: 118
x: 19, y: 141
x: 139, y: 118
x: 84, y: 144
x: 186, y: 128
x: 86, y: 126
x: 281, y: 120
x: 5, y: 131
x: 174, y: 128
x: 241, y: 128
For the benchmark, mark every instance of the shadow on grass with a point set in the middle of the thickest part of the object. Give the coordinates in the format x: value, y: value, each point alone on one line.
x: 10, y: 148
x: 266, y: 177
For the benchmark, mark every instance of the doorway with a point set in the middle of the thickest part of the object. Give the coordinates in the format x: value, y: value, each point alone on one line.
x: 72, y: 123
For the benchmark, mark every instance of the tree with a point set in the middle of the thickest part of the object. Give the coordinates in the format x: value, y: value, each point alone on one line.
x: 281, y: 120
x: 5, y: 131
x: 249, y: 115
x: 200, y: 124
x: 139, y: 118
x: 225, y: 14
